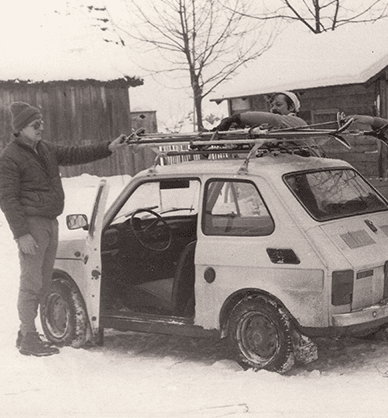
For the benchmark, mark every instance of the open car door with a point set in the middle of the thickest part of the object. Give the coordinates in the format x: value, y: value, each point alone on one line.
x: 91, y: 285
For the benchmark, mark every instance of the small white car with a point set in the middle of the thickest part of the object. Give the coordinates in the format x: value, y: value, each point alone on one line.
x: 268, y: 252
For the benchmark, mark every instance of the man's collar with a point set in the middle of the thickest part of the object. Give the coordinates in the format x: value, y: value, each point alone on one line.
x: 27, y: 143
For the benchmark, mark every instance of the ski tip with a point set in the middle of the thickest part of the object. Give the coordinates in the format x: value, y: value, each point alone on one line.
x: 342, y: 141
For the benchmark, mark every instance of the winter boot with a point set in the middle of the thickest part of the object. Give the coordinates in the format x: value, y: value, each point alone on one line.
x: 19, y: 340
x: 32, y: 345
x: 20, y: 337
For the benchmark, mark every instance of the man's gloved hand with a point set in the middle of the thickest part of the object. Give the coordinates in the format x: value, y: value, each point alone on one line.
x: 27, y: 244
x: 226, y: 123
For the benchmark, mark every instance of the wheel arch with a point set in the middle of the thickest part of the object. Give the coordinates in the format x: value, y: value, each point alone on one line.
x: 64, y: 277
x: 235, y: 298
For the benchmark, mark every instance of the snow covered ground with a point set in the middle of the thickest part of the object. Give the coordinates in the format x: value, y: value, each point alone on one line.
x: 156, y: 376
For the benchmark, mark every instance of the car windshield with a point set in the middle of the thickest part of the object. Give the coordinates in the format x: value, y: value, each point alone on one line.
x: 167, y: 198
x: 331, y: 194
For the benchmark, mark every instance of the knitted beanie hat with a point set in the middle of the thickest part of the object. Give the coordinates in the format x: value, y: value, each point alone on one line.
x: 23, y: 114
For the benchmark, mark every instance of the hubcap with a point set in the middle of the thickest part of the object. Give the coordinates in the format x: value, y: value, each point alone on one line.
x: 58, y: 314
x: 259, y: 337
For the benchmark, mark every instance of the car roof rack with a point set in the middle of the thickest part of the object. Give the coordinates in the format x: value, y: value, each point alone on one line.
x: 238, y: 136
x: 255, y: 142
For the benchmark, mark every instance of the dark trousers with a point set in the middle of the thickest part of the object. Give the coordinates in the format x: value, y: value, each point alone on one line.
x: 36, y: 270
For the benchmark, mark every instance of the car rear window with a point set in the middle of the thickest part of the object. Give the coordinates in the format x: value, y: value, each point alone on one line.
x: 331, y: 194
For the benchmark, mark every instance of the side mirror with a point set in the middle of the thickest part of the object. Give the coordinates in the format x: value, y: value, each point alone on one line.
x: 77, y: 221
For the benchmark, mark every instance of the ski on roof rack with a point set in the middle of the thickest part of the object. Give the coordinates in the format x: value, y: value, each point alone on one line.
x: 251, y: 136
x: 253, y: 141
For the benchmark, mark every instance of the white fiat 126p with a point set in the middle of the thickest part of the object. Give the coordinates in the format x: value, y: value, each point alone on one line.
x: 268, y: 250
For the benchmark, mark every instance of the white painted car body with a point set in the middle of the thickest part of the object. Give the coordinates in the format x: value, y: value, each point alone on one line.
x: 298, y: 273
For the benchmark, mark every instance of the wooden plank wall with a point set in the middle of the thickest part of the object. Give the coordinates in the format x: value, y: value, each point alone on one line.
x: 320, y: 104
x: 364, y: 154
x: 367, y: 154
x: 77, y: 113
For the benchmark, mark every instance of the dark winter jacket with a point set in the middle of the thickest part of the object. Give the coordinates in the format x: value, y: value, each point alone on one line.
x: 30, y: 184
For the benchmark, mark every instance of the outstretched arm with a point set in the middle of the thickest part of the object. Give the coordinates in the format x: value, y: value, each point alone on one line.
x: 252, y: 119
x: 261, y: 118
x: 374, y: 121
x: 83, y: 154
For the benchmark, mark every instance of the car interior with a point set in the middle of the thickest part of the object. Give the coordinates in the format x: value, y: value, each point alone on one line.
x: 148, y: 253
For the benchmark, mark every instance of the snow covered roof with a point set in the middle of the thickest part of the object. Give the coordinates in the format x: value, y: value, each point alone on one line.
x: 41, y: 45
x: 301, y: 60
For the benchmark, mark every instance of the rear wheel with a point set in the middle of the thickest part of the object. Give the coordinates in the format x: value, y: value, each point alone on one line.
x: 63, y: 315
x: 259, y: 335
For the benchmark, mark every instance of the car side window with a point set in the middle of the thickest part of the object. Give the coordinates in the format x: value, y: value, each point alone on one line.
x: 235, y: 208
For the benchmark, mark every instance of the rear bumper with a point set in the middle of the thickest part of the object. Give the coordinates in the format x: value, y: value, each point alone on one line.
x: 376, y: 313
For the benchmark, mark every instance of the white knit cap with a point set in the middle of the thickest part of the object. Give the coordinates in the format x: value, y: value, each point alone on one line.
x: 293, y: 97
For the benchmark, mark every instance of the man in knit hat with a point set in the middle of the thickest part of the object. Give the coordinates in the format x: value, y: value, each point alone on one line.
x: 284, y: 107
x: 32, y: 197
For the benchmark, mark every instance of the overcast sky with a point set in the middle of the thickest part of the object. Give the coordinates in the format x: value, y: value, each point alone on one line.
x: 39, y: 44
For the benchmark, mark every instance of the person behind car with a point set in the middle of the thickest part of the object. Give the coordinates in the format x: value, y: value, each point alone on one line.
x: 284, y: 107
x: 32, y: 197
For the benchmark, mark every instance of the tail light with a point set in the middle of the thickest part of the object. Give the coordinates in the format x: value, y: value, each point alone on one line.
x: 385, y: 295
x: 342, y: 287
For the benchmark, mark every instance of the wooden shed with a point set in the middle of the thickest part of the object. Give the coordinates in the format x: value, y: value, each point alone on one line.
x: 78, y: 80
x: 76, y: 112
x: 321, y: 105
x: 343, y: 71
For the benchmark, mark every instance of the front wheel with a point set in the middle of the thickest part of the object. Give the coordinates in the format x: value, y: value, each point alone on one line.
x: 259, y: 335
x: 63, y: 315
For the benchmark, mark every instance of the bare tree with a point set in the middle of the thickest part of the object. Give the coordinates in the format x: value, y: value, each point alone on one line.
x: 201, y: 39
x: 323, y: 15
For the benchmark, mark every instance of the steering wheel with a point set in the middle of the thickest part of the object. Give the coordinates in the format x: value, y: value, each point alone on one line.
x: 149, y: 235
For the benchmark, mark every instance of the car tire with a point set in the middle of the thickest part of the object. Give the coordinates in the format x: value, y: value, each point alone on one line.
x: 259, y: 334
x: 63, y: 315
